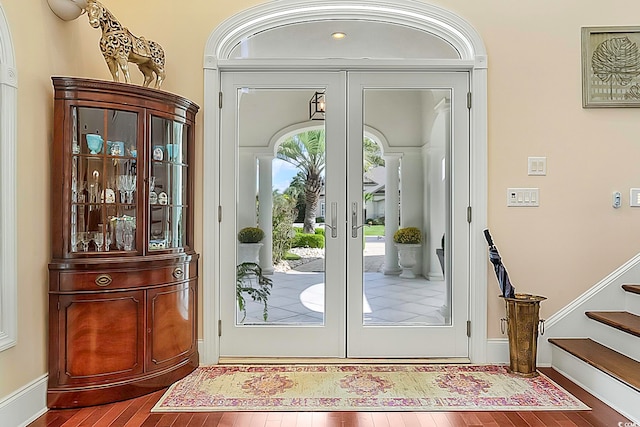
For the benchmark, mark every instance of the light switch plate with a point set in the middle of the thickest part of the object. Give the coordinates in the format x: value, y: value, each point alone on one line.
x: 523, y: 197
x: 634, y: 197
x: 537, y: 166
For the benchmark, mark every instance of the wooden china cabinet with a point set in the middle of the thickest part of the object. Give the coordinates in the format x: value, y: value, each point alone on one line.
x: 123, y: 275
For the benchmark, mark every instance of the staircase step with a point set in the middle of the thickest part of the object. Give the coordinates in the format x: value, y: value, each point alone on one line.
x: 622, y: 320
x: 618, y: 366
x: 635, y: 289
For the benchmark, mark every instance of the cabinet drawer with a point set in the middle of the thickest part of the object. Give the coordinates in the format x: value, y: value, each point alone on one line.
x: 122, y: 279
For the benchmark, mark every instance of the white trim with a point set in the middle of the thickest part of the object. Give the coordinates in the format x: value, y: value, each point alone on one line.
x: 25, y: 405
x: 610, y: 391
x: 408, y: 13
x: 612, y: 278
x: 570, y: 321
x: 498, y: 350
x: 8, y: 171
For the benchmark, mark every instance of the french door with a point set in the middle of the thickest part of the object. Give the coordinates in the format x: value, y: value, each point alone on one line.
x: 334, y: 163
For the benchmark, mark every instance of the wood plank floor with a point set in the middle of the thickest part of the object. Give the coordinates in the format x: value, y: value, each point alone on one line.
x: 136, y: 413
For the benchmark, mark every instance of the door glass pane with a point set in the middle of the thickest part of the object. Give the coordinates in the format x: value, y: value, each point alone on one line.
x: 405, y: 185
x: 280, y: 190
x: 104, y: 180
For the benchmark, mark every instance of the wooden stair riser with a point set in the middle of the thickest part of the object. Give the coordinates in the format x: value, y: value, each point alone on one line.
x: 619, y: 396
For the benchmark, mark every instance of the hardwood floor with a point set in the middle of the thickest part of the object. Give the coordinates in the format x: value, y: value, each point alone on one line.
x: 136, y: 413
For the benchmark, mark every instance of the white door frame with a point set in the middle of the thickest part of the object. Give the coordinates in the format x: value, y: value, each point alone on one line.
x: 411, y: 14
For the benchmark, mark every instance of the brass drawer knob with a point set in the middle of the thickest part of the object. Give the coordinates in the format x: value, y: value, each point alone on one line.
x: 103, y: 280
x: 178, y: 273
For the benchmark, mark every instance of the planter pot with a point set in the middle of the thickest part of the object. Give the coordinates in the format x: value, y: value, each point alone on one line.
x: 407, y: 258
x: 249, y: 252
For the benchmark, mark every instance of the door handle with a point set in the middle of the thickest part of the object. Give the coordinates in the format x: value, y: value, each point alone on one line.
x: 354, y: 221
x: 334, y: 220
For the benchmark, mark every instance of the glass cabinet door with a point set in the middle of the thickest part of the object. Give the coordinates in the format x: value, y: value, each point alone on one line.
x: 104, y: 180
x: 168, y: 185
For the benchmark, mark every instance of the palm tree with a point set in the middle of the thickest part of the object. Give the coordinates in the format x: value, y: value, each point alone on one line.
x: 306, y: 151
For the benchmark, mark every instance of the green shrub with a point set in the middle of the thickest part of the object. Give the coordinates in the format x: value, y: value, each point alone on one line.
x: 319, y: 230
x: 308, y: 241
x: 408, y: 235
x: 250, y: 235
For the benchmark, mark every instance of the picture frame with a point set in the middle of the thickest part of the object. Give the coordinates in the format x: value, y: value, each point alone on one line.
x: 610, y: 66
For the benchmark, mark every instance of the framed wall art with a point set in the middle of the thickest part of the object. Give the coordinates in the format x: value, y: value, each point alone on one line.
x: 610, y: 67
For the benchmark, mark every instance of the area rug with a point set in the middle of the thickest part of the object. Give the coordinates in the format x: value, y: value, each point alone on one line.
x: 363, y: 388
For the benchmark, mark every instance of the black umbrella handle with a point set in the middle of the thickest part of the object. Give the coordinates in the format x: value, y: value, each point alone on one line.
x: 487, y: 236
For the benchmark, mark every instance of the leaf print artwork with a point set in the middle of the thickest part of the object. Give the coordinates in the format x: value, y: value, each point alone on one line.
x: 616, y: 61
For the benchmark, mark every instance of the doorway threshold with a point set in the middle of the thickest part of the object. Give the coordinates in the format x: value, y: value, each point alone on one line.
x: 338, y: 361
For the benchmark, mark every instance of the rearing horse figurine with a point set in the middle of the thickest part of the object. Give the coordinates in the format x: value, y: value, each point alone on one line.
x: 119, y: 47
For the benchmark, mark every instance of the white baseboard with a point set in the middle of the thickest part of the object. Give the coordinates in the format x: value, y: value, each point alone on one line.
x: 498, y: 350
x: 25, y: 405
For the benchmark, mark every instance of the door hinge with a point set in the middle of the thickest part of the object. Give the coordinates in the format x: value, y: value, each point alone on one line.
x: 219, y: 213
x: 468, y: 100
x: 469, y: 328
x: 219, y: 328
x: 220, y: 99
x: 469, y: 213
x: 58, y: 305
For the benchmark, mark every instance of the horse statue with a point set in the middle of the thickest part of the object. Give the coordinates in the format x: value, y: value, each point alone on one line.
x: 119, y: 47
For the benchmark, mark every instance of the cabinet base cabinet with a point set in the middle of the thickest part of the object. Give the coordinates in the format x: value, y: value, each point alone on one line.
x: 74, y: 397
x: 113, y: 343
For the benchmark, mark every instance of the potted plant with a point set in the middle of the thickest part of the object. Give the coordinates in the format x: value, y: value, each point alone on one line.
x: 408, y: 240
x: 249, y: 280
x: 250, y: 244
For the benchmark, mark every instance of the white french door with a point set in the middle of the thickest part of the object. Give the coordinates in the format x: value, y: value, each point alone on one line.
x: 391, y: 151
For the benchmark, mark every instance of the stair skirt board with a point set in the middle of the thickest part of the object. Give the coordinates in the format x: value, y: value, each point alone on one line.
x: 612, y: 392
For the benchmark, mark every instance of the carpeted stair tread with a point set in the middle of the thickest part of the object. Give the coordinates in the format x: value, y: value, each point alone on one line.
x: 617, y: 365
x: 622, y: 320
x: 634, y: 289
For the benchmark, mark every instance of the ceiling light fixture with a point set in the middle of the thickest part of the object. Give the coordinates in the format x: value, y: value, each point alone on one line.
x: 338, y: 35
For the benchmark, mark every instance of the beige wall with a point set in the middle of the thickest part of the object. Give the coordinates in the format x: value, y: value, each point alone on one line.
x: 559, y: 250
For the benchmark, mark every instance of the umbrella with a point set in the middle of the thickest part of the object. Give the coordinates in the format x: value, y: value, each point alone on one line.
x: 508, y: 291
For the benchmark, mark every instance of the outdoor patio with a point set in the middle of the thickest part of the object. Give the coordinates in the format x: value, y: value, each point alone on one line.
x: 297, y: 296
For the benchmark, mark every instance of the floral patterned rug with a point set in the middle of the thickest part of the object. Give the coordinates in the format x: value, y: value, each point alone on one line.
x: 363, y: 388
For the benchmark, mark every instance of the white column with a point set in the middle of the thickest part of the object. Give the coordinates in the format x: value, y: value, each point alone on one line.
x: 265, y: 212
x: 247, y: 171
x: 391, y: 213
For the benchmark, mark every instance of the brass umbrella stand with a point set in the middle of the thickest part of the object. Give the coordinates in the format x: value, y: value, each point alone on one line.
x: 522, y: 320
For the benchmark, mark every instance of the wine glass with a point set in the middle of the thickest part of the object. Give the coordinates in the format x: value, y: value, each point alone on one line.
x: 131, y: 187
x: 85, y: 239
x: 107, y: 241
x: 98, y: 238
